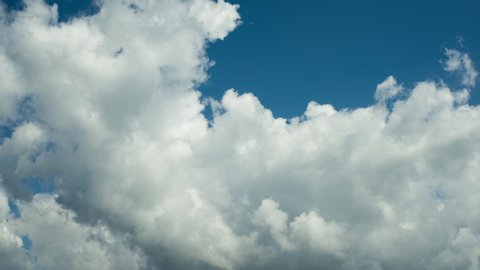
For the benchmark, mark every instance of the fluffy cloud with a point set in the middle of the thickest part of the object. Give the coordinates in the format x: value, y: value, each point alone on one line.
x: 308, y: 229
x: 102, y: 117
x: 61, y: 243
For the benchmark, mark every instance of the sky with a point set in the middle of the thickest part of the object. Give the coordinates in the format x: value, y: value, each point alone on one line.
x: 334, y: 52
x: 202, y: 134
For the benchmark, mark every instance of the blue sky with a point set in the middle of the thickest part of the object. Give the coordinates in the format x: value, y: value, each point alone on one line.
x: 291, y: 52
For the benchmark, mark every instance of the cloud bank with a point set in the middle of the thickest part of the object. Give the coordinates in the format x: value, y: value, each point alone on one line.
x: 107, y: 161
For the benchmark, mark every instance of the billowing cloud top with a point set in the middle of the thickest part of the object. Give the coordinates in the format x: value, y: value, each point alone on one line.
x: 107, y: 161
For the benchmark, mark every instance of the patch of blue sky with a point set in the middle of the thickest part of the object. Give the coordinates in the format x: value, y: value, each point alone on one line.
x: 25, y: 111
x: 27, y: 243
x: 37, y: 185
x: 289, y: 53
x: 440, y: 194
x: 12, y: 5
x: 67, y: 9
x: 6, y: 131
x: 14, y: 209
x: 32, y: 185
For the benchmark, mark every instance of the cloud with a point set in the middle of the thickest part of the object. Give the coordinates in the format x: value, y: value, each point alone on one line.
x: 461, y: 63
x: 387, y: 89
x: 308, y: 230
x: 58, y: 242
x: 11, y: 253
x: 104, y: 108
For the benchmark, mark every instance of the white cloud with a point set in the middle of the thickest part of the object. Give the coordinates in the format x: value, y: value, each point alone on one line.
x: 269, y: 215
x: 387, y: 89
x: 321, y: 236
x: 218, y: 19
x: 308, y: 230
x: 11, y: 253
x: 105, y: 107
x: 58, y: 242
x: 461, y: 63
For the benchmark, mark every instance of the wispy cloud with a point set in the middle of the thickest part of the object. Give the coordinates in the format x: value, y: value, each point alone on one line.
x: 460, y: 62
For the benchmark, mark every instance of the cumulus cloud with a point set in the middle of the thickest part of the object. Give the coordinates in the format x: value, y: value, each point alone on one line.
x: 460, y: 62
x: 102, y: 110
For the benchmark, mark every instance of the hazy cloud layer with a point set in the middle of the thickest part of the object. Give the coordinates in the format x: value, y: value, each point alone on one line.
x: 101, y: 118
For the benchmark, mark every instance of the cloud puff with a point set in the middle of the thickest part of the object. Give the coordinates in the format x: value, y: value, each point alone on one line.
x: 308, y: 230
x: 387, y: 89
x: 461, y: 63
x: 103, y: 108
